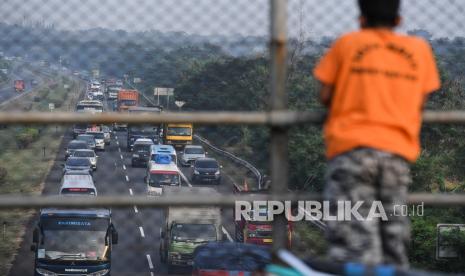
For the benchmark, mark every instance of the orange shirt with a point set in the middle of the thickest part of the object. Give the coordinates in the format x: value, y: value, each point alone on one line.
x: 380, y: 80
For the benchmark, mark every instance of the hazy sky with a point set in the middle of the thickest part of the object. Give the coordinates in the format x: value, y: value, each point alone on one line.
x: 246, y: 17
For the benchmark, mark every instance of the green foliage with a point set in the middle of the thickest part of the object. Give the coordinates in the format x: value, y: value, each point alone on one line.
x: 26, y: 136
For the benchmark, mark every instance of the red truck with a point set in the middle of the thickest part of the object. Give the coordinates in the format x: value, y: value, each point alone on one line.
x: 19, y: 85
x: 253, y: 231
x: 127, y: 98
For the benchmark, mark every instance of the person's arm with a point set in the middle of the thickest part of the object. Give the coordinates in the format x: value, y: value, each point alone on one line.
x: 326, y: 94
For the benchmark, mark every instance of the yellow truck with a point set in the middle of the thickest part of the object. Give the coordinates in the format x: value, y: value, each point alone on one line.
x: 178, y: 135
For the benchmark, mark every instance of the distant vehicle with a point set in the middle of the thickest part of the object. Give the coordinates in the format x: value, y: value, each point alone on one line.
x: 89, y: 106
x: 88, y: 153
x: 107, y: 134
x: 159, y: 175
x: 79, y: 129
x: 186, y: 228
x: 255, y: 230
x: 229, y: 258
x: 191, y: 153
x: 19, y: 85
x: 70, y: 241
x: 206, y: 170
x: 75, y: 145
x: 141, y: 152
x: 127, y: 99
x: 73, y: 184
x: 143, y: 131
x: 119, y: 82
x: 34, y: 82
x: 89, y: 139
x: 178, y: 135
x: 98, y: 95
x: 99, y: 138
x: 77, y: 164
x: 112, y: 91
x: 163, y: 149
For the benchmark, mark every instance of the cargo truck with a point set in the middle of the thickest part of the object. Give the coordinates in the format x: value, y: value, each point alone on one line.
x: 186, y: 228
x: 19, y: 85
x: 127, y: 98
x: 71, y: 242
x: 255, y: 231
x: 178, y: 135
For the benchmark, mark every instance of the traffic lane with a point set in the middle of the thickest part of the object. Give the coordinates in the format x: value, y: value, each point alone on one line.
x: 149, y: 220
x: 129, y: 256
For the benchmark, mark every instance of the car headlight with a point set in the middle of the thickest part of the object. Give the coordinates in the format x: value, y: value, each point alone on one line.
x: 217, y: 173
x: 175, y: 255
x: 99, y: 273
x: 45, y: 272
x: 196, y: 172
x: 135, y: 155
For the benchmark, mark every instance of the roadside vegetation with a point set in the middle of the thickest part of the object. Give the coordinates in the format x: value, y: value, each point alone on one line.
x: 26, y: 156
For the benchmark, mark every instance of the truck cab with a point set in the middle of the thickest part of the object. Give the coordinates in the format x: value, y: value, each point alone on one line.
x: 186, y: 228
x: 178, y: 135
x: 73, y: 241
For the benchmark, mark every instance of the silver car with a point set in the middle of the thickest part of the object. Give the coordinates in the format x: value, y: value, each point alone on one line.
x: 90, y: 154
x: 89, y: 139
x: 191, y: 153
x: 99, y: 138
x: 107, y: 133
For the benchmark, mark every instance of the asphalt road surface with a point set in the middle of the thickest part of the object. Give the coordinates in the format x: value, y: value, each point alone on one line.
x: 139, y: 229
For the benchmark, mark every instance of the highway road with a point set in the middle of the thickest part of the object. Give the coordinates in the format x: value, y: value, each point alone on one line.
x: 19, y: 72
x: 139, y: 229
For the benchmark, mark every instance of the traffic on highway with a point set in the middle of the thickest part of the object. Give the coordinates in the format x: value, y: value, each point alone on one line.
x: 153, y: 160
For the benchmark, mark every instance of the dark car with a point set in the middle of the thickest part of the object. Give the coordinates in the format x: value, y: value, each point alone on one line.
x: 79, y: 129
x: 141, y: 152
x: 77, y: 164
x: 230, y: 258
x: 206, y: 170
x: 73, y: 146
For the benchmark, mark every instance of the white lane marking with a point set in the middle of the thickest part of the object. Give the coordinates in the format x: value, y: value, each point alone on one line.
x: 127, y: 178
x: 151, y: 273
x: 116, y: 165
x: 185, y: 179
x: 124, y: 167
x: 226, y: 233
x: 121, y: 156
x: 130, y: 192
x: 142, y: 234
x: 149, y: 260
x: 119, y: 149
x: 117, y: 142
x: 135, y: 209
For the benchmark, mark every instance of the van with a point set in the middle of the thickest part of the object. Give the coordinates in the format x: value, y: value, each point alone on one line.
x: 163, y: 149
x: 77, y: 184
x: 159, y: 175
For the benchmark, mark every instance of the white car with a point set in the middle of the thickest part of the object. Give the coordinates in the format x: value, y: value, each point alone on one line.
x: 90, y: 154
x: 99, y: 137
x: 191, y: 153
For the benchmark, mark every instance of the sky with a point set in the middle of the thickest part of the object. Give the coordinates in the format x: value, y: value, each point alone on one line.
x: 312, y: 18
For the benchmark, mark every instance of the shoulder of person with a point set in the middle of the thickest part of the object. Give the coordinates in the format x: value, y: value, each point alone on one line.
x: 416, y: 41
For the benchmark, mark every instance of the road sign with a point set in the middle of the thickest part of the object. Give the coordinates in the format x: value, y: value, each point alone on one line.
x: 51, y: 106
x: 163, y: 91
x: 179, y: 104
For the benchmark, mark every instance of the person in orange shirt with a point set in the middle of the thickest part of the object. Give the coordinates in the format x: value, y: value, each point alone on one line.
x: 374, y: 83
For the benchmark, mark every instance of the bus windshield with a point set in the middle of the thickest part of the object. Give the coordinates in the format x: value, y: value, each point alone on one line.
x: 74, y: 239
x: 179, y: 131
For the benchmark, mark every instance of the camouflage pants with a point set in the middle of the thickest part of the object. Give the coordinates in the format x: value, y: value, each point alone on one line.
x: 368, y: 175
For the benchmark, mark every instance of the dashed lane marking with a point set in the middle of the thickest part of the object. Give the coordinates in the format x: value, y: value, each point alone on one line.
x: 226, y: 233
x: 135, y: 209
x: 149, y: 260
x: 124, y: 167
x: 121, y: 156
x: 142, y: 234
x: 127, y: 178
x: 130, y: 192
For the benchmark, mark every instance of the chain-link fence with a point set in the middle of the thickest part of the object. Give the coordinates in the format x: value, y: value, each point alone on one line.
x: 238, y: 73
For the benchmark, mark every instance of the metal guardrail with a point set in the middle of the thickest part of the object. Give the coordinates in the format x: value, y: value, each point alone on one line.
x: 234, y: 158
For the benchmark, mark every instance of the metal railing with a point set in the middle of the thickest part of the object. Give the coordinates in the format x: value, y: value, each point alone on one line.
x: 278, y: 119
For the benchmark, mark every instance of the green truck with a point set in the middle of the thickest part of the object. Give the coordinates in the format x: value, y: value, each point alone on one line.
x: 186, y: 228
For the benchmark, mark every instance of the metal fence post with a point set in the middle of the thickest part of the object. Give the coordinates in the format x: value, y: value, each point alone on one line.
x: 279, y: 135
